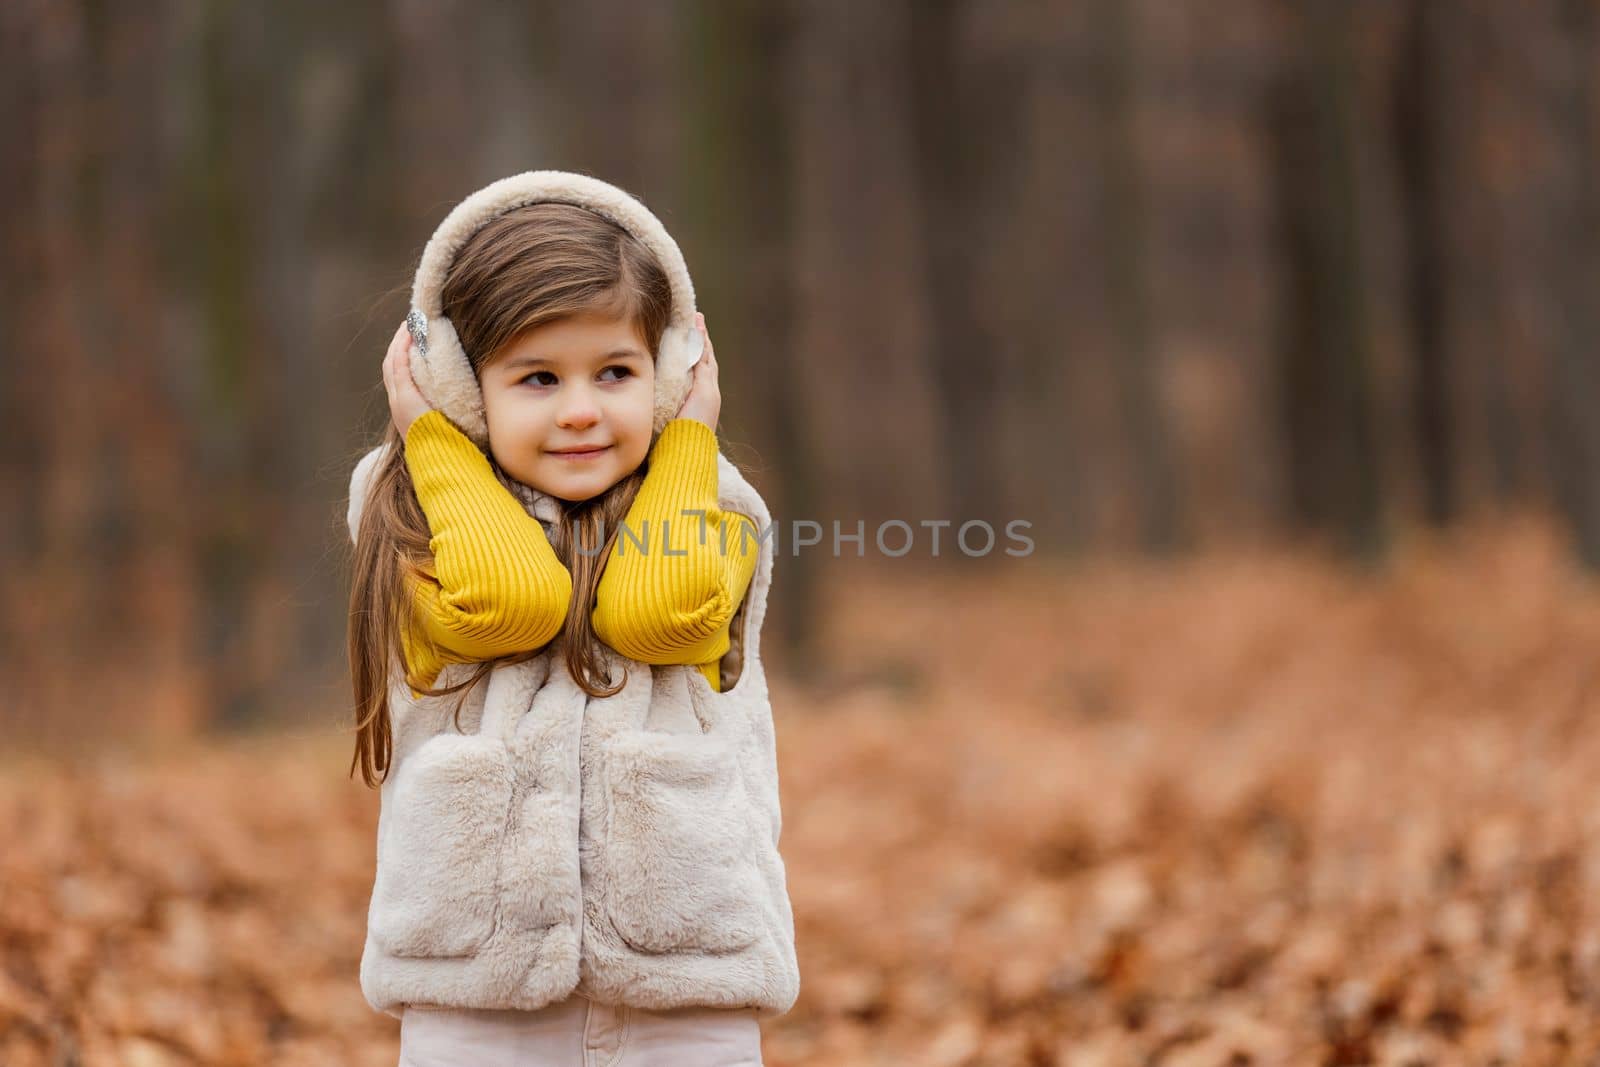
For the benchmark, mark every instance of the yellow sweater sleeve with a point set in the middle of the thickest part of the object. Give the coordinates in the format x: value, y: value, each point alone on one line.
x: 672, y: 601
x: 498, y: 587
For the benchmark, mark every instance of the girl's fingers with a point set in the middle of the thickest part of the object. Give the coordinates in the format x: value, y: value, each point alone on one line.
x: 408, y: 384
x: 710, y: 349
x: 388, y: 356
x: 399, y: 353
x: 400, y: 340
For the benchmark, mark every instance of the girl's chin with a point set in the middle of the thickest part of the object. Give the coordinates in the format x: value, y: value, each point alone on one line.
x: 573, y: 489
x: 573, y: 496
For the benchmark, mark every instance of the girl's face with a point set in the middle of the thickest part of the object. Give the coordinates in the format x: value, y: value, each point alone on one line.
x: 585, y: 381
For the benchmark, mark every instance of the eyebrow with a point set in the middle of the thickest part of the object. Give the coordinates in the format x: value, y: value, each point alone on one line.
x: 534, y: 361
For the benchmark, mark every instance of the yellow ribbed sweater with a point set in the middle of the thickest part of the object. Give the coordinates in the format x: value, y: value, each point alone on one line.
x: 498, y: 587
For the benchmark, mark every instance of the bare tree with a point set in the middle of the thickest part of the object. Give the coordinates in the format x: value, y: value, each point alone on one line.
x: 1136, y: 365
x: 1325, y: 350
x: 1576, y: 363
x: 946, y: 110
x: 741, y: 176
x: 1424, y: 108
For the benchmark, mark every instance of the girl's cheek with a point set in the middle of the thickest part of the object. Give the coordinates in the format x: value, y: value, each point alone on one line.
x: 530, y: 420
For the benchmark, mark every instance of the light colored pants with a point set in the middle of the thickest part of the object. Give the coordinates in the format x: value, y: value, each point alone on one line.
x: 578, y: 1032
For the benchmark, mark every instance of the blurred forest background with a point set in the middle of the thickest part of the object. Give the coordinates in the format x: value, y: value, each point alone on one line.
x: 1151, y: 276
x: 1277, y: 319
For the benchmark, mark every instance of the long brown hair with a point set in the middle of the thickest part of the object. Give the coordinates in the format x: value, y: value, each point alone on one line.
x: 526, y: 267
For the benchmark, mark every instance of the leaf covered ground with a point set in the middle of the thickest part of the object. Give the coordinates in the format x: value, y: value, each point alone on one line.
x: 1243, y: 809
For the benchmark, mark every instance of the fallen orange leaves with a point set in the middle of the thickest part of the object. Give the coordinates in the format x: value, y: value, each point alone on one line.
x: 1245, y: 809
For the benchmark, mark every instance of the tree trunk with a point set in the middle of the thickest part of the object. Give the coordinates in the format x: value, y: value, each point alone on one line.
x: 1575, y: 375
x: 1137, y: 361
x: 1328, y: 406
x: 1424, y: 145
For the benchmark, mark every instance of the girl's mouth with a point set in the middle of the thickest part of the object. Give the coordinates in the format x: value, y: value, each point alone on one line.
x: 587, y: 454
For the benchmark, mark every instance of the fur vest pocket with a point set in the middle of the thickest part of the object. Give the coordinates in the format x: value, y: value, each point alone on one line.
x: 439, y: 854
x: 679, y: 841
x: 623, y: 848
x: 471, y: 844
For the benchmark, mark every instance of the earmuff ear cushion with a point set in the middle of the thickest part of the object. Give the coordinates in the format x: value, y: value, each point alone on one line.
x: 446, y: 380
x: 680, y: 350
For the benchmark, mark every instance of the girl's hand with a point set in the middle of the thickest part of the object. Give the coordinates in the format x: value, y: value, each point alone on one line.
x: 406, y: 402
x: 704, y: 401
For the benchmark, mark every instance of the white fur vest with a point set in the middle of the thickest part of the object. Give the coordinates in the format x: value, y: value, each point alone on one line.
x: 623, y: 848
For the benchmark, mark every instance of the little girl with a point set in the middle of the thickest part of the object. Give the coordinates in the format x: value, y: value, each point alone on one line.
x: 577, y: 856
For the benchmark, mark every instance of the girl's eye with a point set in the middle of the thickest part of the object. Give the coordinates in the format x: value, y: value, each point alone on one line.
x: 624, y: 371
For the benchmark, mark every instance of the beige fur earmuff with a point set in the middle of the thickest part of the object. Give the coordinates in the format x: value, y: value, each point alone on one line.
x: 445, y: 376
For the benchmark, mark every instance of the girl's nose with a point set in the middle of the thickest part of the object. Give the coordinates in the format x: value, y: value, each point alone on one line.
x: 578, y: 411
